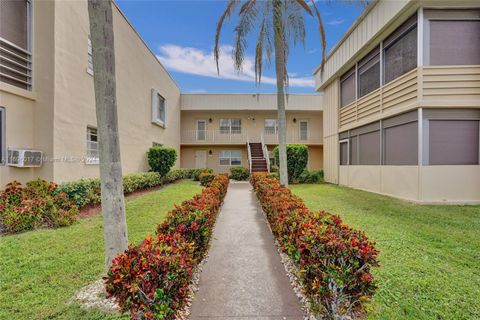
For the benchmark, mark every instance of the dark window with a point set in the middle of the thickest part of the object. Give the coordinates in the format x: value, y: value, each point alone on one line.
x: 369, y: 73
x: 343, y: 153
x: 369, y: 148
x: 454, y: 42
x: 347, y: 88
x: 400, y: 50
x: 354, y: 150
x: 2, y: 136
x: 13, y: 22
x: 453, y: 142
x: 400, y: 144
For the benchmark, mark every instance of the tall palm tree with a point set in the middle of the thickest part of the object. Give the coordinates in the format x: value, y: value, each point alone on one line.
x: 278, y: 22
x: 113, y: 204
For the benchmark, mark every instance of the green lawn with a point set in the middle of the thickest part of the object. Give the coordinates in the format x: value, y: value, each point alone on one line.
x: 429, y: 255
x: 41, y: 270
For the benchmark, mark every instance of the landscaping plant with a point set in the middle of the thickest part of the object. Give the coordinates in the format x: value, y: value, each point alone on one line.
x: 35, y: 205
x: 311, y: 176
x: 161, y: 159
x: 334, y: 261
x: 239, y: 173
x: 205, y: 178
x: 197, y: 172
x: 297, y: 159
x: 151, y: 280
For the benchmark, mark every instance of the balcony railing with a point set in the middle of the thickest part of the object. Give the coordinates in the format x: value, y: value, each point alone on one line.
x: 221, y: 137
x: 15, y: 65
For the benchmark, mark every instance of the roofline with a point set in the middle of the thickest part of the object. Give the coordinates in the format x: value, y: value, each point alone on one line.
x: 354, y: 25
x: 144, y: 43
x: 253, y: 94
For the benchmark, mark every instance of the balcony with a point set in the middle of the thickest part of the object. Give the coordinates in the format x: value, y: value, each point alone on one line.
x: 202, y: 137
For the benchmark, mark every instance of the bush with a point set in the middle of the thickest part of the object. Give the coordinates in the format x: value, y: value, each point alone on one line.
x: 152, y: 280
x: 161, y: 159
x: 239, y: 173
x: 205, y: 178
x: 36, y: 205
x: 297, y: 159
x: 334, y: 261
x: 197, y: 172
x: 311, y: 176
x: 83, y: 192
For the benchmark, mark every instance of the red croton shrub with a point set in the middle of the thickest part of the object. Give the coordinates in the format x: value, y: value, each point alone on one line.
x: 151, y: 280
x: 334, y: 261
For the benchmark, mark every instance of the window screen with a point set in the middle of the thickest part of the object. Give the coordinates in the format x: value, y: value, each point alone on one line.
x: 400, y: 144
x: 271, y: 126
x: 369, y: 148
x: 303, y: 130
x: 454, y: 42
x: 90, y: 55
x: 92, y: 146
x: 453, y: 142
x: 13, y: 22
x: 354, y: 151
x: 343, y: 153
x: 369, y: 73
x: 347, y: 88
x: 400, y: 53
x: 230, y: 157
x: 233, y: 126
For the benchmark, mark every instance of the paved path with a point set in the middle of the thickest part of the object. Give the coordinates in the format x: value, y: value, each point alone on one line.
x: 244, y: 277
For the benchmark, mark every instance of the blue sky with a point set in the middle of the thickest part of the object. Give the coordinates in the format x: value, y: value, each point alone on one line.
x: 181, y: 34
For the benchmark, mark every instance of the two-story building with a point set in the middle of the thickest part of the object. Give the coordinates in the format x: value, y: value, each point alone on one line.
x: 402, y: 101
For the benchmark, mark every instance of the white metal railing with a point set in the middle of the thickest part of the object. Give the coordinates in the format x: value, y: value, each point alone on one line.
x: 15, y: 65
x: 223, y: 137
x: 265, y: 153
x: 249, y: 155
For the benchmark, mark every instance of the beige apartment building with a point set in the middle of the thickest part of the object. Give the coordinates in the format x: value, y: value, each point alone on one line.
x: 47, y: 105
x: 402, y: 102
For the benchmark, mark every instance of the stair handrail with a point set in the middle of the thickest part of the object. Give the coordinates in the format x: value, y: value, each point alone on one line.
x: 249, y: 155
x: 265, y: 152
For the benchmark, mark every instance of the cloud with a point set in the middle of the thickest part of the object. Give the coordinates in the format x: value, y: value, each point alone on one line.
x: 199, y: 62
x: 312, y: 51
x: 336, y: 22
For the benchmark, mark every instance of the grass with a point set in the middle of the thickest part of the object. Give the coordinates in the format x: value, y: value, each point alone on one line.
x: 41, y: 270
x: 429, y: 255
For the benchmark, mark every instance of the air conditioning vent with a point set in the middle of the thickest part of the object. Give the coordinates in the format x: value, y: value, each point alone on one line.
x: 24, y: 158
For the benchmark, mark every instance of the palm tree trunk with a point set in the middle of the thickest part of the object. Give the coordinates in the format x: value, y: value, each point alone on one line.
x: 279, y: 36
x: 113, y: 204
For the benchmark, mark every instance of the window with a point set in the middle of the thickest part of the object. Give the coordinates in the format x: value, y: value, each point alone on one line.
x: 156, y: 144
x: 344, y: 152
x: 15, y: 26
x: 201, y: 130
x: 230, y: 126
x: 400, y: 139
x: 453, y: 142
x: 159, y: 112
x: 90, y: 56
x: 454, y: 42
x: 92, y: 146
x: 303, y: 130
x: 230, y: 157
x: 347, y: 88
x: 271, y: 126
x: 365, y: 145
x: 400, y: 50
x: 369, y: 73
x: 2, y: 136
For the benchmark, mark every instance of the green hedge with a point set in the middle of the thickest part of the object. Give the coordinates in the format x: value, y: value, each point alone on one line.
x: 311, y: 176
x: 87, y: 191
x: 197, y: 172
x: 161, y: 159
x: 239, y: 173
x: 297, y: 159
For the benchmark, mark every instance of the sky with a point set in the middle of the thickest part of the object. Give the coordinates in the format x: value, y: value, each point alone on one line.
x: 181, y: 34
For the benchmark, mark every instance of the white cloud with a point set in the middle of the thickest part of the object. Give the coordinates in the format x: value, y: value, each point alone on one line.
x: 336, y: 22
x: 198, y: 62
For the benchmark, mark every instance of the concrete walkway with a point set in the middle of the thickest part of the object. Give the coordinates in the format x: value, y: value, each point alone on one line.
x: 244, y: 277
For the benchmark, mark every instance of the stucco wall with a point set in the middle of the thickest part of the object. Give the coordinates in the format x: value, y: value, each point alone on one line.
x: 213, y: 162
x: 137, y: 72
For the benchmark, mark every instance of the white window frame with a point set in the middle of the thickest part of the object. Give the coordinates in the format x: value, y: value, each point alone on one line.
x: 347, y: 141
x: 229, y: 120
x: 3, y: 149
x: 275, y: 131
x: 89, y: 56
x: 157, y: 99
x: 229, y: 157
x: 91, y: 159
x: 197, y: 131
x: 300, y: 130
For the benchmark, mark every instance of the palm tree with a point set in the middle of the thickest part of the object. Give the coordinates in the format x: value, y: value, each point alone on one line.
x: 278, y: 22
x: 113, y: 204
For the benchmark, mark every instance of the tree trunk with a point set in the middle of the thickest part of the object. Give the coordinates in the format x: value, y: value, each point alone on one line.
x: 279, y: 36
x: 113, y: 204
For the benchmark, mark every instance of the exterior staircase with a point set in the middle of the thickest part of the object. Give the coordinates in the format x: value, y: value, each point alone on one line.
x: 259, y: 163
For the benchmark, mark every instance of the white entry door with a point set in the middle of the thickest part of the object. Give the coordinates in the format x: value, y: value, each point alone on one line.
x: 200, y: 159
x: 304, y: 130
x: 201, y: 130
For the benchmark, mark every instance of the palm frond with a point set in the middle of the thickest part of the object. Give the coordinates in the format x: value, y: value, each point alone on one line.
x: 323, y: 37
x: 243, y: 28
x: 305, y: 6
x: 231, y: 6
